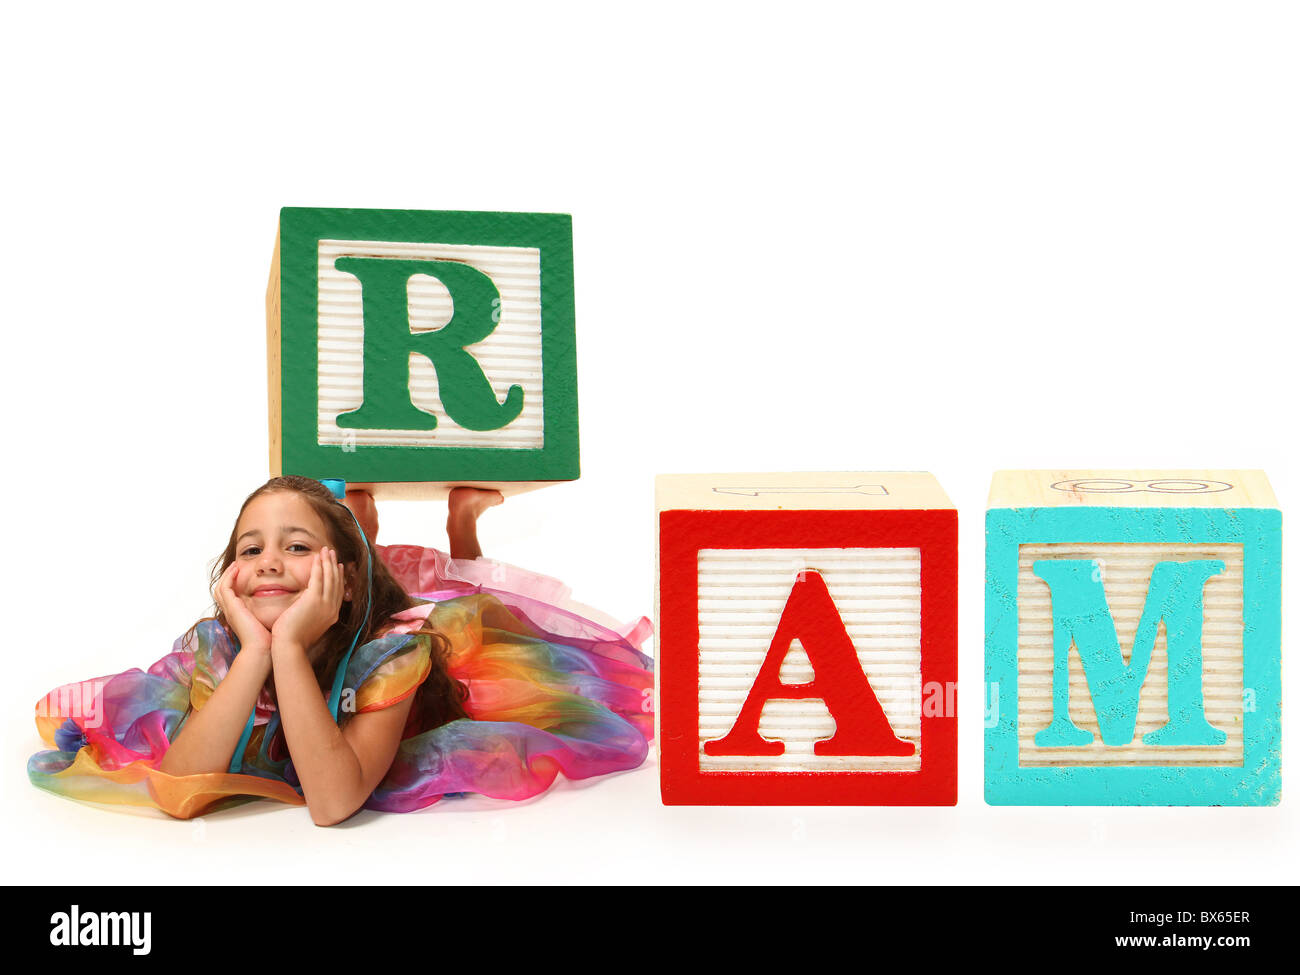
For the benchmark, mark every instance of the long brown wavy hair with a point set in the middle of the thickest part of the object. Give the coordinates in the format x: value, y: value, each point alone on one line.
x: 441, y: 697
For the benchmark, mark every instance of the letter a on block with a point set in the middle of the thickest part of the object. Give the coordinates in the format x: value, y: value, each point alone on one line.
x: 861, y: 728
x: 1081, y: 618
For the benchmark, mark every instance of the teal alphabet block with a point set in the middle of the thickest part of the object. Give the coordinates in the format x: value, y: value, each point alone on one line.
x: 411, y: 350
x: 1133, y: 639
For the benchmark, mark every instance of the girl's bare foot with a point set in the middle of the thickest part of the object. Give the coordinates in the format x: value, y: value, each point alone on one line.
x: 464, y: 505
x: 363, y: 508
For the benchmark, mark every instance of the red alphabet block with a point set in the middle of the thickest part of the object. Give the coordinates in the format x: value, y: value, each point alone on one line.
x: 807, y: 647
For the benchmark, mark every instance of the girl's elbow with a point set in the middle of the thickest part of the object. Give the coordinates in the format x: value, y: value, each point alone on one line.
x: 332, y: 815
x: 326, y: 819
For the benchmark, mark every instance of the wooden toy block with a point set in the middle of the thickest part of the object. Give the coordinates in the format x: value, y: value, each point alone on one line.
x: 409, y: 351
x: 807, y: 640
x: 1133, y: 627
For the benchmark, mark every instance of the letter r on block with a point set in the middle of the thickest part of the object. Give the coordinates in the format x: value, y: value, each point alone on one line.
x: 463, y: 387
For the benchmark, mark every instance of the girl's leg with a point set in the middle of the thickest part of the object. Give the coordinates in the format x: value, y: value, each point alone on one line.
x: 363, y: 507
x: 464, y: 505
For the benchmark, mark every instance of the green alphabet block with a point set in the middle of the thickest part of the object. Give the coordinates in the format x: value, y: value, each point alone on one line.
x: 410, y: 350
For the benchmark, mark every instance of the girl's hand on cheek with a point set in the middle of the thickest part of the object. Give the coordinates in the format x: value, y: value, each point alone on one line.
x: 247, y: 628
x: 317, y: 607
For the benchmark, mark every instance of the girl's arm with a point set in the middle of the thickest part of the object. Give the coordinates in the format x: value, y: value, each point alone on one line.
x: 337, y: 769
x: 208, y: 739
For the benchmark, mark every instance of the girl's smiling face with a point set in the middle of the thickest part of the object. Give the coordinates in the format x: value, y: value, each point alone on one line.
x: 276, y: 540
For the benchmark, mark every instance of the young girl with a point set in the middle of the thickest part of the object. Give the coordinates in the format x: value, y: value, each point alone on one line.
x: 322, y: 680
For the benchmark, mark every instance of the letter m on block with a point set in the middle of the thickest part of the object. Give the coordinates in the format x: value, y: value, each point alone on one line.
x: 1081, y: 618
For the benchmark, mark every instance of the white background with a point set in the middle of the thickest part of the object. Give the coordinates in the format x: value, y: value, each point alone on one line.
x: 920, y: 236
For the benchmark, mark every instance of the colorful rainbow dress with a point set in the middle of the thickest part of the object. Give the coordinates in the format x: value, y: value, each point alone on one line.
x: 551, y: 690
